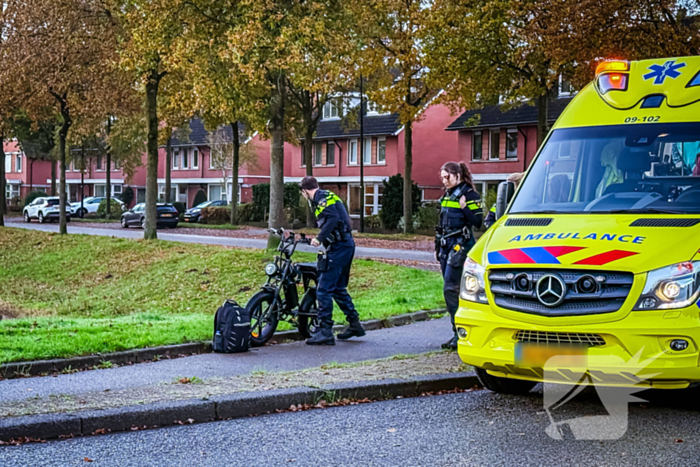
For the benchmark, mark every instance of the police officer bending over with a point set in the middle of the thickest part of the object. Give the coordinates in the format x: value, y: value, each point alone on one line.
x: 334, y: 271
x: 460, y: 212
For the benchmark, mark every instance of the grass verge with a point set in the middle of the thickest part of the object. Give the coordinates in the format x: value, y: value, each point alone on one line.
x: 80, y: 294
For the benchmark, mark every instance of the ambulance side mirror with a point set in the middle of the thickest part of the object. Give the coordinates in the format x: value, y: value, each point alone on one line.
x: 506, y: 190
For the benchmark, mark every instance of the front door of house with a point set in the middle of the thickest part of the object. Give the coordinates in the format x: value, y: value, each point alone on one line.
x: 182, y: 194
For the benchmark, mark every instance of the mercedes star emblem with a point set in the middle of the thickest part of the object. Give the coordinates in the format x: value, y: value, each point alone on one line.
x: 551, y: 290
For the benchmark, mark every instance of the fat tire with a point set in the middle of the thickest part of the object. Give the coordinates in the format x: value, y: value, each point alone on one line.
x: 306, y: 324
x: 504, y: 385
x: 254, y: 306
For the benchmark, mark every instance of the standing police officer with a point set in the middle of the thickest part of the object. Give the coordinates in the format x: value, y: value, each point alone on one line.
x: 334, y: 270
x: 460, y: 212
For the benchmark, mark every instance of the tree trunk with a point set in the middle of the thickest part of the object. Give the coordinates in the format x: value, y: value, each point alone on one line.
x: 3, y: 201
x: 108, y: 180
x: 308, y: 149
x: 53, y: 177
x: 408, y: 180
x: 62, y: 137
x: 149, y: 232
x: 276, y: 126
x: 234, y: 173
x: 542, y: 118
x: 168, y: 168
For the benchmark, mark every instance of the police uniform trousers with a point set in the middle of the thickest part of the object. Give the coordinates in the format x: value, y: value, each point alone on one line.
x: 451, y: 266
x: 333, y: 284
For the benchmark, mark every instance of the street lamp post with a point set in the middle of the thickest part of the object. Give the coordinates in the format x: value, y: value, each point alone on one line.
x: 362, y: 157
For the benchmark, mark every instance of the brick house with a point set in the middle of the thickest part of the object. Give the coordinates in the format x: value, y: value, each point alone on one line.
x: 336, y: 154
x: 194, y: 169
x: 496, y: 143
x: 24, y: 175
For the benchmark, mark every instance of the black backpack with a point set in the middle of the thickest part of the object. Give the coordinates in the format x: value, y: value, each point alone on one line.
x: 231, y: 328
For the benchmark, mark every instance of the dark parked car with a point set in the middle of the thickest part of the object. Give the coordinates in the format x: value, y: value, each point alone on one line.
x: 194, y: 214
x: 136, y: 216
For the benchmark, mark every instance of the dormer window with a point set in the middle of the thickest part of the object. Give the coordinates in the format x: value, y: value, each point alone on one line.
x: 331, y: 110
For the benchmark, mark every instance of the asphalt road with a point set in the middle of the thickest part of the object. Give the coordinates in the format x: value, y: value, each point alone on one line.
x: 476, y: 428
x: 223, y: 241
x: 415, y: 338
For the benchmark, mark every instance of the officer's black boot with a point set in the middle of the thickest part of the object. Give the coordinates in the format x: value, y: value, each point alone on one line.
x: 354, y: 330
x: 323, y: 336
x: 451, y: 344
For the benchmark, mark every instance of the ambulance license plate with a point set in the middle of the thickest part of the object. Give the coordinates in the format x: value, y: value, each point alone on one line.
x: 534, y: 355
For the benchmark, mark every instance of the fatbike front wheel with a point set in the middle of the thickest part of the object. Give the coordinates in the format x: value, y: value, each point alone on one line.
x: 263, y: 319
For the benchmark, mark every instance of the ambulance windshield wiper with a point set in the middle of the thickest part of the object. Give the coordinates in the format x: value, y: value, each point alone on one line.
x: 640, y: 211
x: 549, y: 211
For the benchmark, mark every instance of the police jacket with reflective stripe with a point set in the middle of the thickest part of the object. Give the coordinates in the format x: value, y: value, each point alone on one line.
x: 491, y: 217
x: 331, y: 214
x: 452, y: 216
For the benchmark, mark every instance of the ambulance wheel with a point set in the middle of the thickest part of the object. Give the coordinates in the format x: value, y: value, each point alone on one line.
x: 263, y: 320
x: 504, y: 385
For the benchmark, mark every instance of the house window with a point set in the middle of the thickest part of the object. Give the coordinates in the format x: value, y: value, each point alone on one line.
x: 495, y: 144
x: 565, y: 86
x: 18, y: 163
x: 331, y: 110
x: 367, y: 155
x: 117, y: 191
x: 216, y: 193
x: 175, y: 156
x: 330, y: 153
x: 98, y: 162
x: 318, y: 153
x: 352, y: 152
x: 303, y: 157
x: 228, y: 192
x: 161, y: 193
x: 477, y: 146
x: 512, y: 144
x: 373, y: 199
x: 185, y: 159
x: 100, y: 191
x: 8, y: 163
x: 195, y: 158
x: 381, y: 151
x: 11, y: 192
x: 117, y: 165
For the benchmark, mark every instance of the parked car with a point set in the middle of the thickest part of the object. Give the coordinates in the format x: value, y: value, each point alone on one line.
x: 44, y: 209
x: 194, y: 214
x: 89, y: 206
x: 167, y: 216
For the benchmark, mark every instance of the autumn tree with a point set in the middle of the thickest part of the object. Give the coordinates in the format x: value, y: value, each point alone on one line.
x: 37, y: 140
x: 60, y: 52
x: 227, y: 155
x: 148, y: 32
x: 394, y: 33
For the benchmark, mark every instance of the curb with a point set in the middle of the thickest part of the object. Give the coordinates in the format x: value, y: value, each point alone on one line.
x: 128, y: 357
x: 162, y: 414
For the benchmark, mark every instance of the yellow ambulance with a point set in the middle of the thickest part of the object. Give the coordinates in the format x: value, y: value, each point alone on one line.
x: 596, y: 259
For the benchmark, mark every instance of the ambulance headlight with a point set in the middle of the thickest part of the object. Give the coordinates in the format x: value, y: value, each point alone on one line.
x: 473, y: 286
x: 675, y: 286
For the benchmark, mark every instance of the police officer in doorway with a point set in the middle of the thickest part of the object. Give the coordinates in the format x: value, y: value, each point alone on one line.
x: 460, y: 213
x: 334, y: 270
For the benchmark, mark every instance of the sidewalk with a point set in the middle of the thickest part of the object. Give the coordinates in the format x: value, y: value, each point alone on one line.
x: 388, y: 363
x: 363, y: 252
x: 411, y: 339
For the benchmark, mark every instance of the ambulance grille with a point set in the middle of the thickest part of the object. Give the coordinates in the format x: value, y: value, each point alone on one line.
x: 514, y: 289
x: 665, y: 223
x: 541, y: 337
x: 528, y: 222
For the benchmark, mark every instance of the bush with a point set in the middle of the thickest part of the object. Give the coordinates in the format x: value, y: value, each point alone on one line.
x: 180, y: 207
x: 245, y: 212
x: 261, y: 200
x: 199, y: 198
x: 427, y: 216
x: 373, y: 222
x: 127, y: 196
x: 216, y: 215
x: 392, y: 201
x: 115, y: 210
x: 32, y: 196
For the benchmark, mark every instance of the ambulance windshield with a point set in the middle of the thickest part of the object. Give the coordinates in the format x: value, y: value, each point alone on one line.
x: 636, y: 168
